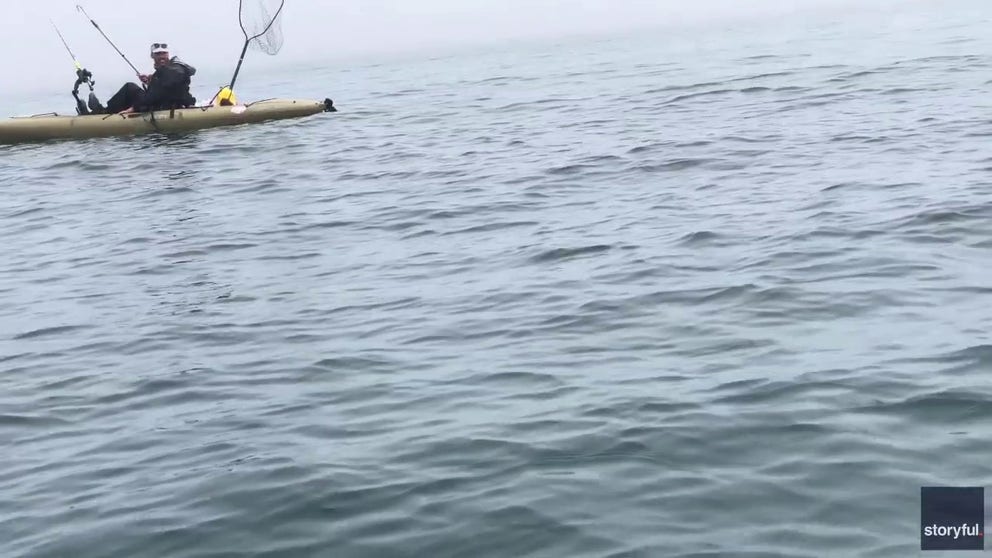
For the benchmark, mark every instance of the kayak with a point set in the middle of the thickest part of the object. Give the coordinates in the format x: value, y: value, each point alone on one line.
x: 54, y: 126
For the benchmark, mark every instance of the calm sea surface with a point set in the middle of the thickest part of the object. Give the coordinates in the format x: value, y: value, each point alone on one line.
x: 725, y: 293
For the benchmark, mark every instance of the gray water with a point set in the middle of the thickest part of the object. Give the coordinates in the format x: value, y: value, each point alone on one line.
x: 698, y: 294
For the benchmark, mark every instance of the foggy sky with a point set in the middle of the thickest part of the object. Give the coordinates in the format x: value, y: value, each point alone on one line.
x: 206, y: 32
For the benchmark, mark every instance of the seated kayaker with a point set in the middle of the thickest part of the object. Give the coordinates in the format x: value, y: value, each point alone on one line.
x: 167, y: 87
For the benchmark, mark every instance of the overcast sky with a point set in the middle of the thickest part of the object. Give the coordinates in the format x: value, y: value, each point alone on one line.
x: 206, y: 32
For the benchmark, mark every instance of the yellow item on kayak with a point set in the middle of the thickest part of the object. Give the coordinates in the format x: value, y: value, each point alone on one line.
x: 225, y: 98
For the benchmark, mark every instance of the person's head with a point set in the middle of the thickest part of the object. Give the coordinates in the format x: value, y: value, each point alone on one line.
x: 160, y: 54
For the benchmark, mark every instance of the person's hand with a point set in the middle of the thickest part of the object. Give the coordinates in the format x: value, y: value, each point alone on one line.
x: 129, y: 110
x: 143, y: 78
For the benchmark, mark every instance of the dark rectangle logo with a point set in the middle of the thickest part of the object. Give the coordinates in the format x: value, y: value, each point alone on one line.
x: 952, y: 518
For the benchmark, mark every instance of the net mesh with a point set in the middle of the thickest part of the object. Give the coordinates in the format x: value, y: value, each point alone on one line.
x: 261, y: 22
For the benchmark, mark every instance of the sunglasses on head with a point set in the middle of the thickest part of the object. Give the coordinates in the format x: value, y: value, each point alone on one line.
x: 159, y: 45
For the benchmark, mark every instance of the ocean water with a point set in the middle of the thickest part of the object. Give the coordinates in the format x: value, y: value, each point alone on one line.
x: 681, y: 293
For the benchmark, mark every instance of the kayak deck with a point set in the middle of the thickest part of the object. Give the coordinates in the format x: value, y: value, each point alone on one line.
x: 54, y: 126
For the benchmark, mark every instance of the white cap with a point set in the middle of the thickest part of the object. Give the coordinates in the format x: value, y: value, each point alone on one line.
x: 159, y: 47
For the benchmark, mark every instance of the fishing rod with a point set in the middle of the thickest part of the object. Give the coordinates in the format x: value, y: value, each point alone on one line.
x: 87, y: 16
x: 79, y: 66
x: 82, y: 75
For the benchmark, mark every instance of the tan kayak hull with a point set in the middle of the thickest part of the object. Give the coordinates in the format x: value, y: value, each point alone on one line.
x: 52, y: 126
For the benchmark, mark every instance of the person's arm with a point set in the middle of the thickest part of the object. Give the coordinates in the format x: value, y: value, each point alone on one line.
x: 164, y: 85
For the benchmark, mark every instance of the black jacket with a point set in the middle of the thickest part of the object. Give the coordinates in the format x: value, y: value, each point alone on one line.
x: 168, y: 87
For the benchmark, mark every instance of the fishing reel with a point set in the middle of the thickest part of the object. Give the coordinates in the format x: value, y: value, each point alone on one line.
x: 92, y: 105
x: 83, y: 76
